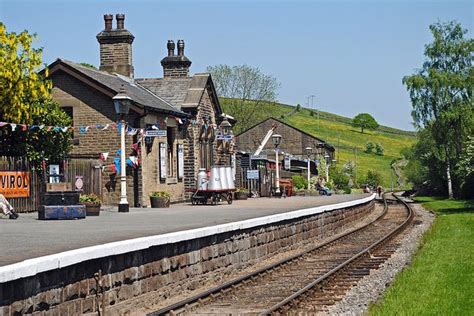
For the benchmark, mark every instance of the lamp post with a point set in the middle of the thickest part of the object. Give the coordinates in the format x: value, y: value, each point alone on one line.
x: 276, y: 139
x: 122, y: 103
x: 308, y: 151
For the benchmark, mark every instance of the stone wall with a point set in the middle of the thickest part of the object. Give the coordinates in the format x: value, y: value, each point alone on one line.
x: 73, y: 289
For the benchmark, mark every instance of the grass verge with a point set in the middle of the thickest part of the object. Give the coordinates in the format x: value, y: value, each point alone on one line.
x: 440, y: 280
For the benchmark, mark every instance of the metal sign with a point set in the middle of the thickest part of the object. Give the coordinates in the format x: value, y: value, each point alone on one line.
x: 180, y: 161
x: 163, y: 157
x: 287, y: 162
x: 79, y: 183
x: 225, y: 137
x: 252, y: 174
x: 14, y: 184
x: 258, y: 157
x: 156, y: 133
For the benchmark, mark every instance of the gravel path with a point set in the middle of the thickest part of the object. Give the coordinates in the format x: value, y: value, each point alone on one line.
x: 372, y: 287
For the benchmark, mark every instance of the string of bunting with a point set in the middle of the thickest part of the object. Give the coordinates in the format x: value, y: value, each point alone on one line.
x: 84, y: 129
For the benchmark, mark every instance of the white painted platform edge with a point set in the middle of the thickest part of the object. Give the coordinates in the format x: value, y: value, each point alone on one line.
x: 34, y: 266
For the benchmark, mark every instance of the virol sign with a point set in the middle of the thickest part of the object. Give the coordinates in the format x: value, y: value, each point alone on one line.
x: 15, y: 183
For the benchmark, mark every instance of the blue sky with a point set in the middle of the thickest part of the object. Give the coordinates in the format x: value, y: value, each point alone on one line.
x: 351, y: 55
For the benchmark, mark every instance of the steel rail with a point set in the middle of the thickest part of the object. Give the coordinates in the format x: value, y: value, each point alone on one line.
x: 193, y: 299
x: 367, y: 250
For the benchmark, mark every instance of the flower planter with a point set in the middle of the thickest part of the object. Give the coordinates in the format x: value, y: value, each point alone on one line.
x: 241, y: 195
x: 92, y: 209
x: 159, y: 202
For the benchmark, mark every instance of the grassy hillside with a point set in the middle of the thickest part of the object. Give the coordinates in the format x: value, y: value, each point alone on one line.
x: 347, y: 140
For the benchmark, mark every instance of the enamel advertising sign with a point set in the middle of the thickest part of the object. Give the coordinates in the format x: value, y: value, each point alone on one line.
x: 15, y: 184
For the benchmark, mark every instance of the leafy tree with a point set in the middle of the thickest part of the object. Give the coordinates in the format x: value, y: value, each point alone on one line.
x: 379, y: 149
x: 441, y: 93
x: 22, y: 90
x: 465, y: 168
x: 298, y: 107
x: 52, y: 145
x: 364, y: 121
x: 25, y: 99
x: 311, y: 113
x: 369, y: 147
x: 249, y: 91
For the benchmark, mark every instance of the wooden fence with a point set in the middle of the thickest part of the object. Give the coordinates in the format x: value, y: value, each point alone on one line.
x: 88, y: 170
x: 33, y: 201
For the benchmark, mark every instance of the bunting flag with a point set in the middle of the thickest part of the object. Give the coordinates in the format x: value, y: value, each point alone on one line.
x: 103, y: 156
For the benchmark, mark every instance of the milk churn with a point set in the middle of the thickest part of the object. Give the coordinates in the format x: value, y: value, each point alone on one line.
x: 223, y: 176
x: 215, y: 179
x: 202, y: 179
x: 230, y: 177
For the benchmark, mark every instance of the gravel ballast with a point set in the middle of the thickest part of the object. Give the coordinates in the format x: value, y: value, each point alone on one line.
x: 372, y: 287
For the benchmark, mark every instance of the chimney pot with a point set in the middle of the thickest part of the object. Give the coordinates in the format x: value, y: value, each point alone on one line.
x: 171, y: 46
x: 120, y: 21
x: 108, y: 21
x: 180, y: 48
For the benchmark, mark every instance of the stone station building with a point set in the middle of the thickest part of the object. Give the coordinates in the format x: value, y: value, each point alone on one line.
x: 184, y: 108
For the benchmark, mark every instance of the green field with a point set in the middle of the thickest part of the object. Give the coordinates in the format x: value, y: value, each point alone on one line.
x: 347, y: 140
x: 441, y: 279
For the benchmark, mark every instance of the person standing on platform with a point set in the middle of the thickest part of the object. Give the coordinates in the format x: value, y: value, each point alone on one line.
x: 7, y: 208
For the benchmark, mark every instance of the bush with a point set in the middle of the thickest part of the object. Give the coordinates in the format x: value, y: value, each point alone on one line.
x: 373, y: 178
x: 340, y: 179
x: 369, y: 147
x: 242, y: 190
x: 282, y: 117
x: 298, y: 108
x: 299, y: 182
x: 160, y: 194
x: 311, y: 113
x: 379, y: 149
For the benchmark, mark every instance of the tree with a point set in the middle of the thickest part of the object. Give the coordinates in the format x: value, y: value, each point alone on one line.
x: 379, y: 149
x: 373, y: 178
x: 25, y: 98
x: 441, y: 93
x: 364, y: 121
x: 249, y: 92
x: 22, y: 90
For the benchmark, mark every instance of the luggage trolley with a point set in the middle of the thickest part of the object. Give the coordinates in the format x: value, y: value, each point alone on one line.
x: 211, y: 196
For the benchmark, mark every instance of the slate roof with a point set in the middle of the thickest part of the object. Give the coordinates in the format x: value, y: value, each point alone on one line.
x: 182, y: 93
x: 139, y: 94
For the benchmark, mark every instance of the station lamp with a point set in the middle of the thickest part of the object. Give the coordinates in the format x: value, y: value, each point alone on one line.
x: 122, y: 104
x: 308, y: 151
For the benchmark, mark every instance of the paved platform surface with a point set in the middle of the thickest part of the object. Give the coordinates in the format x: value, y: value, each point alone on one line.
x: 28, y: 237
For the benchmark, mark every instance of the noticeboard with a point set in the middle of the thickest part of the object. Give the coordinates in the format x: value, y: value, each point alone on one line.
x: 252, y: 174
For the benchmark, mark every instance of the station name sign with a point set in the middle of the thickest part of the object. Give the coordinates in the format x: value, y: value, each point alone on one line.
x: 156, y: 133
x: 15, y: 184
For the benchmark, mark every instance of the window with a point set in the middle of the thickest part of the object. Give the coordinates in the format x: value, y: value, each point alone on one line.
x: 171, y: 159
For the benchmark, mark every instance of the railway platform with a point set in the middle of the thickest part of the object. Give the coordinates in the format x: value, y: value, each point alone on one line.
x: 29, y: 238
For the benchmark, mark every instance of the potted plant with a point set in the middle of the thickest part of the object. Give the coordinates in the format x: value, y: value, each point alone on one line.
x: 160, y: 199
x: 241, y: 194
x: 92, y: 203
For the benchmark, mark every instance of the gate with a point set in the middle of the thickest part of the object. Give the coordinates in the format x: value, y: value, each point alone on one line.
x: 89, y: 171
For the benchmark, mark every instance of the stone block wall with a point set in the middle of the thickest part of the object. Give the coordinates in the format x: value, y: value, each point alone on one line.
x: 166, y: 269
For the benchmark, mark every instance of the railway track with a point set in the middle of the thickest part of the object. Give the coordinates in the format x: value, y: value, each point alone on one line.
x: 310, y: 281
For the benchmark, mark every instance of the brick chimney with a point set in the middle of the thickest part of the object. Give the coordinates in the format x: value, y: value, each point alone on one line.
x: 175, y: 66
x: 116, y: 47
